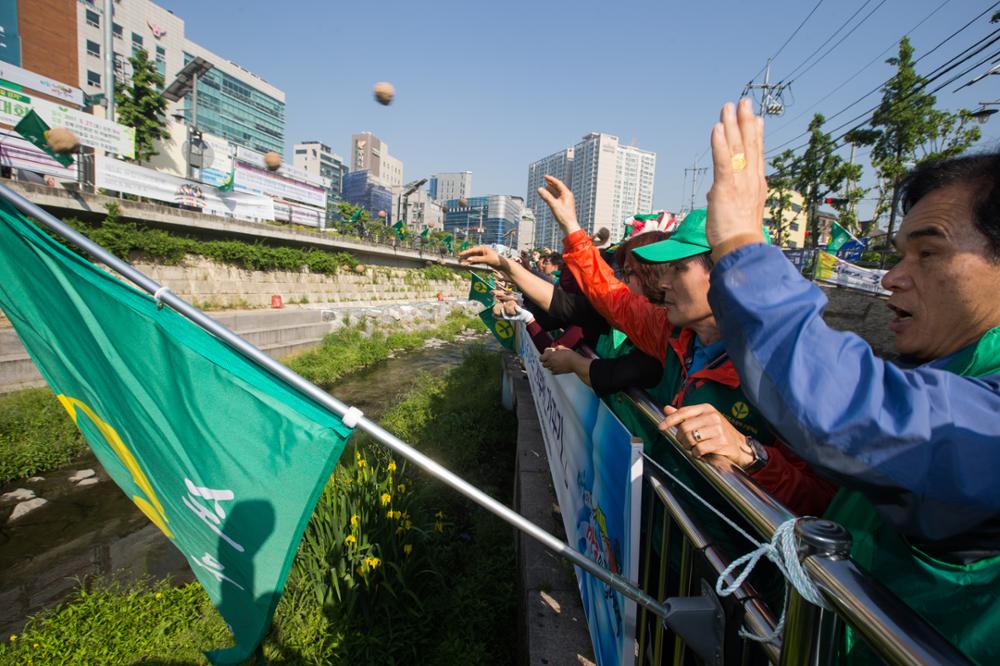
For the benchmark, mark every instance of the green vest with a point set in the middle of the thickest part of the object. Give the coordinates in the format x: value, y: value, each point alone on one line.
x: 962, y: 601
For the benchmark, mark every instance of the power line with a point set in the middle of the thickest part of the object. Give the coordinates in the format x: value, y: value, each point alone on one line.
x: 829, y: 39
x: 790, y: 37
x: 935, y: 74
x: 855, y: 74
x: 842, y: 39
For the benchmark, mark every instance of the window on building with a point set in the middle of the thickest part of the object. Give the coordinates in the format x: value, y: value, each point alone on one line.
x: 93, y: 79
x: 136, y: 39
x: 93, y: 18
x: 117, y: 30
x: 93, y: 48
x: 794, y: 226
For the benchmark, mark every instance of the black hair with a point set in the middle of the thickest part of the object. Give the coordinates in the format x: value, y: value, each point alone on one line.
x: 979, y: 172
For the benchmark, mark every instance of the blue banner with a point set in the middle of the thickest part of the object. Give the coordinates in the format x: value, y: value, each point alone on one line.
x: 597, y: 473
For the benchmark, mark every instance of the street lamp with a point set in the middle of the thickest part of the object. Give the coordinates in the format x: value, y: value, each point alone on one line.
x: 983, y: 113
x: 187, y: 82
x: 404, y: 199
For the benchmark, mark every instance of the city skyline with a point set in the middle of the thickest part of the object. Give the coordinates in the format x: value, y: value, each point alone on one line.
x: 664, y: 90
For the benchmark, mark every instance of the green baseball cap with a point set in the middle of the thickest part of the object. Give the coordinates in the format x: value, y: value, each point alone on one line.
x: 687, y: 240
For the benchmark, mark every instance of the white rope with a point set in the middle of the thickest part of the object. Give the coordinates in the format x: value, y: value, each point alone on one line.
x: 352, y: 416
x: 782, y: 550
x: 158, y: 295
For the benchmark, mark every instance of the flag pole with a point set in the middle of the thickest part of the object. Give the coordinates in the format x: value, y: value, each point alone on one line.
x: 624, y: 586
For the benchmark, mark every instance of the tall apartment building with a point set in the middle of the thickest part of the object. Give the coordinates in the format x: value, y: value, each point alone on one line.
x: 450, y: 185
x: 233, y: 103
x: 560, y: 165
x: 371, y: 154
x: 611, y: 182
x: 317, y: 159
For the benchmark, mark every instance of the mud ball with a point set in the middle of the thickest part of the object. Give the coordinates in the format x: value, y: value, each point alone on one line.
x: 359, y: 269
x: 62, y: 140
x: 463, y: 202
x: 272, y: 161
x: 381, y: 214
x: 385, y: 92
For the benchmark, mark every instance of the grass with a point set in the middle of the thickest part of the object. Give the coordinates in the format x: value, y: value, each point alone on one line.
x: 451, y: 599
x: 36, y: 434
x: 348, y: 349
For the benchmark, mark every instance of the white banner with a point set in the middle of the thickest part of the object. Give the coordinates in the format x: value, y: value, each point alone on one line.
x: 119, y: 176
x: 835, y: 270
x: 260, y: 181
x: 597, y: 474
x: 99, y: 133
x: 219, y: 164
x: 256, y: 159
x: 19, y: 153
x: 28, y: 79
x: 297, y: 214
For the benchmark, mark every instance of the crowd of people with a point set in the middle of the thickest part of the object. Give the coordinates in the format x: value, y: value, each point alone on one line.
x: 715, y: 324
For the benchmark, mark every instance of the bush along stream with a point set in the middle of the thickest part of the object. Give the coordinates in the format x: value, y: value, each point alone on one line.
x: 394, y: 567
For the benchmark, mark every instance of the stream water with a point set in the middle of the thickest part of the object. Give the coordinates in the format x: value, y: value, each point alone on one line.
x: 95, y: 530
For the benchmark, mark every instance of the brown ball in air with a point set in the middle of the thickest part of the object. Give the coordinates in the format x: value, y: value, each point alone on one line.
x: 272, y: 161
x: 62, y: 140
x: 359, y: 269
x: 384, y: 92
x: 463, y: 202
x: 381, y: 214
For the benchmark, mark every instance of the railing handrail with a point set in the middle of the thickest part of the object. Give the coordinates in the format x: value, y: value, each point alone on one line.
x: 894, y: 630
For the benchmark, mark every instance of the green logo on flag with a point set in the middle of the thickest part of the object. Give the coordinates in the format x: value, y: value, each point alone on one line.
x: 226, y: 459
x: 502, y: 329
x: 481, y: 290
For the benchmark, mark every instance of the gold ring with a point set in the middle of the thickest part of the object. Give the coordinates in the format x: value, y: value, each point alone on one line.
x: 696, y: 435
x: 739, y: 162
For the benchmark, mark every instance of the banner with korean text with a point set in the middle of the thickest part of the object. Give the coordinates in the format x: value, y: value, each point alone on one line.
x: 833, y: 269
x: 597, y: 474
x: 119, y: 176
x: 226, y: 459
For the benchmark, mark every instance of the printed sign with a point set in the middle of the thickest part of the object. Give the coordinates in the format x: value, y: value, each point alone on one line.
x: 837, y: 271
x: 19, y: 153
x: 597, y: 474
x: 260, y: 181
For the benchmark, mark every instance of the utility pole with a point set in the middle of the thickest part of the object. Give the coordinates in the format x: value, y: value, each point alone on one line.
x: 109, y: 59
x: 770, y: 95
x: 695, y: 172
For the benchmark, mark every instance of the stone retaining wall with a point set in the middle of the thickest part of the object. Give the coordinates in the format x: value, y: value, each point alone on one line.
x: 211, y: 285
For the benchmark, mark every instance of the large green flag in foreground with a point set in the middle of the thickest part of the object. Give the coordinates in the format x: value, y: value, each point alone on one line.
x: 226, y: 459
x: 34, y: 129
x: 502, y: 329
x: 481, y: 290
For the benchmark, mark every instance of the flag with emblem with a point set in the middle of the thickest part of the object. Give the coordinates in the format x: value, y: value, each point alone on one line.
x: 501, y: 329
x: 448, y: 240
x: 226, y: 459
x: 481, y: 290
x: 400, y: 230
x: 230, y: 181
x: 425, y: 234
x: 34, y: 129
x: 838, y: 236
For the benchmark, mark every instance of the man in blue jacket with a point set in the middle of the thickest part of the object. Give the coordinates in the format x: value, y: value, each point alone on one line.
x: 916, y: 449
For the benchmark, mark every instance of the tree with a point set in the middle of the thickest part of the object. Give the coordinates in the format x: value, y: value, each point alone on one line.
x: 909, y: 131
x: 780, y: 185
x: 820, y: 171
x: 141, y: 105
x: 352, y: 219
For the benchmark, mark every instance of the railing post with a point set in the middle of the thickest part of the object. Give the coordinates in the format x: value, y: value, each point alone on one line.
x: 812, y: 634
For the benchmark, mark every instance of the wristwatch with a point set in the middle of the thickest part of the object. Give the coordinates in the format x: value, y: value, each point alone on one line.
x: 759, y: 456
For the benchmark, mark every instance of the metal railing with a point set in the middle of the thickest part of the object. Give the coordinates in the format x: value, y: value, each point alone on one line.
x: 894, y: 631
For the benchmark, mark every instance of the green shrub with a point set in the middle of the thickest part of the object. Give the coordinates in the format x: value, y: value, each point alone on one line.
x: 36, y: 434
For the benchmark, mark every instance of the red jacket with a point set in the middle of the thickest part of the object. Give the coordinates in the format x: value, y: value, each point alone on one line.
x: 785, y: 476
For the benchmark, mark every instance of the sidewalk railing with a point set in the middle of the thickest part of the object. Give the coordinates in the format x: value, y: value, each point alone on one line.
x: 681, y: 548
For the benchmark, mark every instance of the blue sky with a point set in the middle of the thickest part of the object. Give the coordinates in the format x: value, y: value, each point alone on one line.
x: 491, y: 86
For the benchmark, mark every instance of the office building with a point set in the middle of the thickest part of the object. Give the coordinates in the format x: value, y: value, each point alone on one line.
x: 491, y: 220
x: 364, y: 190
x: 233, y: 103
x: 418, y: 209
x: 526, y: 230
x: 371, y: 154
x: 318, y: 160
x: 41, y: 37
x: 560, y: 165
x: 450, y: 185
x: 792, y: 230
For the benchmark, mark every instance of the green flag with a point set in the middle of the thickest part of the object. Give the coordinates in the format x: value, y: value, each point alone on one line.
x: 34, y: 129
x: 502, y: 329
x: 356, y: 215
x: 399, y: 229
x: 838, y: 236
x: 425, y: 234
x: 481, y: 290
x: 225, y: 458
x: 230, y: 181
x: 464, y: 246
x: 447, y: 240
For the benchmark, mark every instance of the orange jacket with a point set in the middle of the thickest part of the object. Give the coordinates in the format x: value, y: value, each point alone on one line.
x: 785, y: 476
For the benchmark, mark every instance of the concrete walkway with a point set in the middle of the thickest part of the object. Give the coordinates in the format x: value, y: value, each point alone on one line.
x: 554, y: 629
